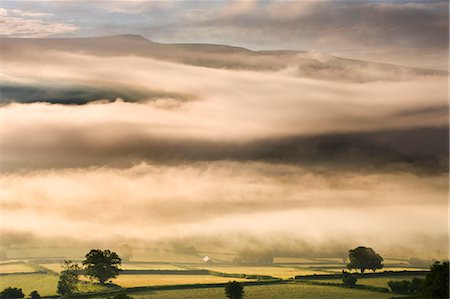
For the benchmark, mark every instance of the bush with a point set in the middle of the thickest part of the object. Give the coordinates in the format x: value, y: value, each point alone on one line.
x: 349, y: 280
x: 435, y: 284
x: 11, y: 293
x: 400, y: 287
x: 234, y: 290
x: 35, y: 295
x: 406, y: 286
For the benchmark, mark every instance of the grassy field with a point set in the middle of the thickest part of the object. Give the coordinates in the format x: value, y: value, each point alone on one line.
x: 55, y: 267
x: 150, y: 266
x: 285, y: 291
x: 45, y: 284
x: 16, y: 268
x: 138, y: 280
x: 374, y: 281
x: 274, y: 271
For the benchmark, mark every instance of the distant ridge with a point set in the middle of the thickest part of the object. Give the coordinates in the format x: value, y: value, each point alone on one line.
x: 220, y: 56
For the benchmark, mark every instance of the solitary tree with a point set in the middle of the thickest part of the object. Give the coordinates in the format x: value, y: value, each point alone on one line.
x: 11, y: 293
x: 363, y: 258
x: 234, y: 290
x: 102, y: 265
x: 435, y: 284
x: 68, y: 279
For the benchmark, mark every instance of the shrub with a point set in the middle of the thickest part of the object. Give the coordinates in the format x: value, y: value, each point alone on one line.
x: 400, y: 287
x: 406, y: 286
x: 35, y: 295
x: 349, y: 280
x: 234, y: 290
x: 11, y: 293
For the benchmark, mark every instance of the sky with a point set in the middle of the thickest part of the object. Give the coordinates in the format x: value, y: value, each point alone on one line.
x: 401, y: 32
x: 300, y: 152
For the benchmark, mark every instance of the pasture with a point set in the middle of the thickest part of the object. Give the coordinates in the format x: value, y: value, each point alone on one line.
x: 283, y: 271
x: 275, y: 291
x: 381, y: 282
x: 139, y: 280
x: 16, y: 267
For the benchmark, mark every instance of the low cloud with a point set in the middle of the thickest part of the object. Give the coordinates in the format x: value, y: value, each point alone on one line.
x: 156, y: 202
x: 197, y: 151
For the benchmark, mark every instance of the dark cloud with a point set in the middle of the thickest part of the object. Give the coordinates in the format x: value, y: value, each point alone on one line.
x: 80, y: 95
x: 418, y: 150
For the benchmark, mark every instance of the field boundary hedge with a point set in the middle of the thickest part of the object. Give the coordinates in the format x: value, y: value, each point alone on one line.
x: 363, y: 275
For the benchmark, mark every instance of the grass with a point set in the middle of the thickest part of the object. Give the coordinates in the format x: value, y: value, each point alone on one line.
x: 150, y: 266
x: 289, y: 290
x: 274, y: 271
x: 16, y: 268
x: 132, y: 280
x: 55, y: 267
x: 374, y: 281
x: 45, y: 284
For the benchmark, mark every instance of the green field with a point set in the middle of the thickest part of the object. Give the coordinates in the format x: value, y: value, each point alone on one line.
x: 274, y: 271
x: 138, y: 280
x: 285, y: 291
x: 45, y: 284
x: 16, y: 268
x: 374, y: 281
x: 57, y: 267
x: 150, y: 266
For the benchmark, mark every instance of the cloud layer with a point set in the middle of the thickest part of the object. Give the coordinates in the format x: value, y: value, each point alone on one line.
x: 205, y: 151
x: 151, y: 202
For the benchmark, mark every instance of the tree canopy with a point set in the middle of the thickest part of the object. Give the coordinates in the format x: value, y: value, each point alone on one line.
x: 436, y: 284
x: 102, y: 265
x: 364, y: 258
x: 234, y: 290
x: 68, y: 279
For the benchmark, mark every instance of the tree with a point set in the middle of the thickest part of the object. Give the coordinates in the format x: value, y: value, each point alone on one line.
x: 234, y: 290
x: 363, y: 258
x: 102, y: 265
x: 68, y: 279
x: 35, y: 295
x: 11, y: 293
x: 435, y: 284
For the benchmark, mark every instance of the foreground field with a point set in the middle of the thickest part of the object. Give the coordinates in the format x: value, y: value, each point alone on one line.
x: 45, y: 284
x: 381, y: 282
x: 285, y: 291
x: 138, y: 280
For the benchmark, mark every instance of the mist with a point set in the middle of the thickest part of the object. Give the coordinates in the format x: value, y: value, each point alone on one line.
x: 291, y: 156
